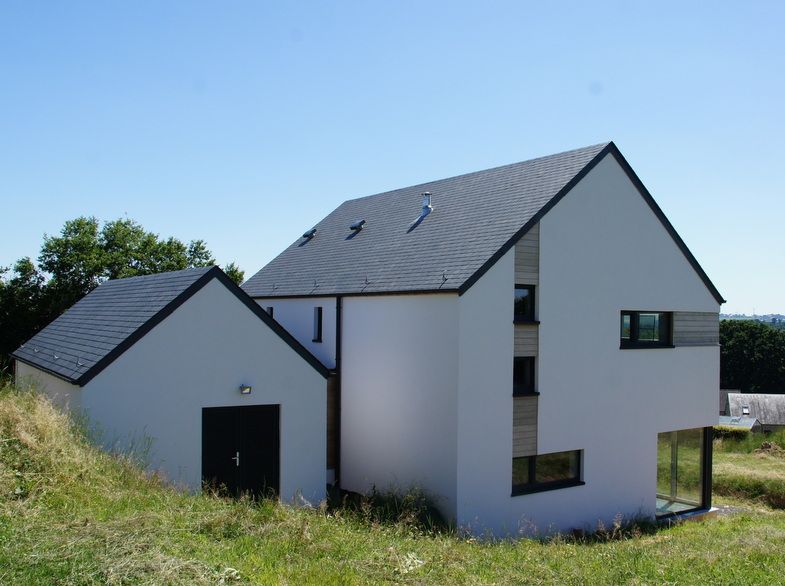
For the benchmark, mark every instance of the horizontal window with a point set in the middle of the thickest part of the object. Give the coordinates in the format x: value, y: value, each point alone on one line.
x: 523, y: 375
x: 646, y: 329
x: 524, y: 303
x: 546, y: 472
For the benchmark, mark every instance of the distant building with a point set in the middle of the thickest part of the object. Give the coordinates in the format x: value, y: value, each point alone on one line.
x: 724, y: 399
x: 748, y: 423
x: 768, y: 409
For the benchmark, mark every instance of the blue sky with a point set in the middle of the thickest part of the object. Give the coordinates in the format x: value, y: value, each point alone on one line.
x: 243, y: 123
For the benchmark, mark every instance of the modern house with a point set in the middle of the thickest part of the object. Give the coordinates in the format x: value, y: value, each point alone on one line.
x: 769, y: 409
x: 186, y: 370
x: 534, y: 345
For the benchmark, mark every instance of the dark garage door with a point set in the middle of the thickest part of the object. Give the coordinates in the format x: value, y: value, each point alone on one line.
x: 241, y: 449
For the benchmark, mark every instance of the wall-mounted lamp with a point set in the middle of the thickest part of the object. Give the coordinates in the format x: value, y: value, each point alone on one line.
x: 245, y: 389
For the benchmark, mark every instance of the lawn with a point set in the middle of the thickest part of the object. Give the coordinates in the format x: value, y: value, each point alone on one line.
x: 70, y: 514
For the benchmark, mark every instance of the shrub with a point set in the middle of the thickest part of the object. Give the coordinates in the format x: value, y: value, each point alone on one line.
x: 413, y: 509
x: 731, y: 433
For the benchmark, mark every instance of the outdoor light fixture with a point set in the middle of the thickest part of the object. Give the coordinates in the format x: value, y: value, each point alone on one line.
x: 245, y: 389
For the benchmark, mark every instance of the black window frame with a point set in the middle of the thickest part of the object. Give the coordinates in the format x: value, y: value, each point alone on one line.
x: 317, y: 324
x: 529, y: 317
x: 528, y: 387
x: 533, y: 486
x: 633, y: 342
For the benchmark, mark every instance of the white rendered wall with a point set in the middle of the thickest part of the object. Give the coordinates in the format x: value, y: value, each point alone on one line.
x: 296, y: 316
x: 198, y: 357
x: 398, y: 406
x: 601, y: 250
x: 61, y: 393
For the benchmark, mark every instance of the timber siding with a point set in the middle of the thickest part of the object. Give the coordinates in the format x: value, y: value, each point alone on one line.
x: 696, y: 328
x: 524, y: 426
x: 527, y: 258
x: 526, y: 340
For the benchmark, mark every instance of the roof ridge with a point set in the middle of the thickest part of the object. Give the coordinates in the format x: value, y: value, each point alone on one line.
x: 599, y: 146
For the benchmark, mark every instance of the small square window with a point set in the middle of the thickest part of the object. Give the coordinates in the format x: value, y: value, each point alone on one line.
x: 523, y: 375
x: 745, y: 410
x: 524, y: 303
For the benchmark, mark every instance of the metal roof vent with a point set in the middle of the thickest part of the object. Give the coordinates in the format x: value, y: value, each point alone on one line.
x: 310, y: 234
x: 357, y: 226
x: 427, y: 208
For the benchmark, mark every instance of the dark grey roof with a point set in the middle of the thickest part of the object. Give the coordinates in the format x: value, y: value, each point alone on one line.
x: 769, y: 409
x: 476, y: 218
x: 104, y: 323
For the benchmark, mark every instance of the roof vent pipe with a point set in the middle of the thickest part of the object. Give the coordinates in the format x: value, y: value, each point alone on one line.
x: 309, y: 234
x: 357, y: 226
x: 426, y: 203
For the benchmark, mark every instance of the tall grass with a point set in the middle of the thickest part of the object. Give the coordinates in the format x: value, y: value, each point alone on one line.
x: 70, y: 514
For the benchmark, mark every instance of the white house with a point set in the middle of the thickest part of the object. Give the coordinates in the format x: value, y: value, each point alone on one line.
x: 534, y: 344
x: 186, y: 368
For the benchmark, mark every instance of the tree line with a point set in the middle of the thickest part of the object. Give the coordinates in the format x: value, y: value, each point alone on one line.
x: 75, y: 262
x: 752, y: 357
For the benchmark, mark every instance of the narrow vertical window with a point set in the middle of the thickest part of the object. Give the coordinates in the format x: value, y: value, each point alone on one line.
x: 317, y: 324
x: 524, y: 303
x: 270, y: 311
x: 523, y: 375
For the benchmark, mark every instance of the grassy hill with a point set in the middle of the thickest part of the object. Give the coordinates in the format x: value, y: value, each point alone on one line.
x: 70, y: 514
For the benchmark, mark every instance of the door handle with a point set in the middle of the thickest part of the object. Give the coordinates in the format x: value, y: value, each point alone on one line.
x: 236, y: 458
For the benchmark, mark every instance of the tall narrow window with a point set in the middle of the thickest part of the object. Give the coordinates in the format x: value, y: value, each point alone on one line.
x: 683, y: 470
x: 270, y: 310
x: 317, y: 324
x: 524, y: 303
x: 523, y: 376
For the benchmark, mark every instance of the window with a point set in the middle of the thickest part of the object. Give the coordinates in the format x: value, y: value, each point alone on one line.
x: 523, y: 376
x: 270, y: 311
x: 524, y: 303
x: 546, y: 472
x: 683, y: 470
x: 745, y: 409
x: 645, y: 329
x: 317, y: 324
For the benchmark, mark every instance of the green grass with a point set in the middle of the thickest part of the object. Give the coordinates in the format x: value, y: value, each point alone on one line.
x: 70, y: 514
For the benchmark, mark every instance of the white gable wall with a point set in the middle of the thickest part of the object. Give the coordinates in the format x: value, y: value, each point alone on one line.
x: 601, y: 250
x: 198, y: 357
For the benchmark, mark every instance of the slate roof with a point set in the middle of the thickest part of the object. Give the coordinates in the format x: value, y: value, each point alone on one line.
x: 748, y: 423
x: 476, y: 218
x: 108, y: 320
x: 769, y: 409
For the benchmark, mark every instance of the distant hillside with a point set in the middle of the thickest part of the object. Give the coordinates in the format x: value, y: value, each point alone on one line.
x: 776, y: 320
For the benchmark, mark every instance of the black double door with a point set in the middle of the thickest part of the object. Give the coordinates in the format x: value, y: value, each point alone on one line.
x: 241, y: 449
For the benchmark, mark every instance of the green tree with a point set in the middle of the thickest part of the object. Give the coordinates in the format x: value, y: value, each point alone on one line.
x: 23, y: 307
x: 752, y: 357
x: 77, y: 260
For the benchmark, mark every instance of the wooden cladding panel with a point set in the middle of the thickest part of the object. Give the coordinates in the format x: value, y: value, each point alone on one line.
x: 527, y: 258
x: 526, y: 340
x: 696, y: 328
x: 524, y: 426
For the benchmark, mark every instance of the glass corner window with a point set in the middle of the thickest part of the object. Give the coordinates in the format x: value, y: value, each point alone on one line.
x: 524, y: 302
